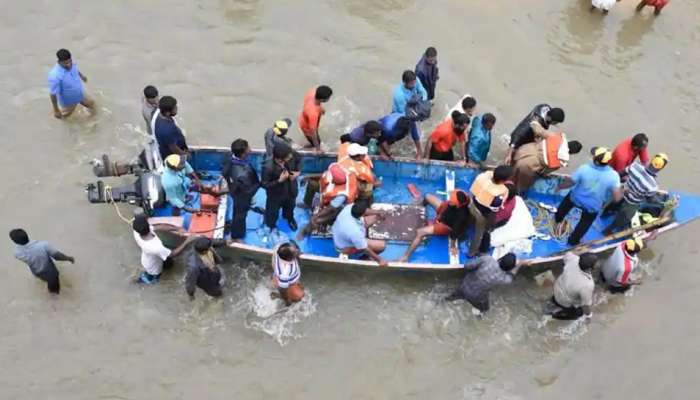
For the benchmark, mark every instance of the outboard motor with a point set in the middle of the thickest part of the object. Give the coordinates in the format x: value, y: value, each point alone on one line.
x: 146, y: 192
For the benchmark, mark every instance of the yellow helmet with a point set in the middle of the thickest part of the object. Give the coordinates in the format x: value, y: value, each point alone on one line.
x: 173, y: 161
x: 281, y: 126
x: 634, y: 245
x: 602, y: 155
x: 659, y: 161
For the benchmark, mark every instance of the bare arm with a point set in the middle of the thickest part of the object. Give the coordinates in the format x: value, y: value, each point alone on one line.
x: 376, y: 257
x: 175, y: 149
x: 83, y: 77
x: 178, y: 250
x: 58, y: 256
x: 418, y: 152
x: 56, y: 111
x: 428, y: 147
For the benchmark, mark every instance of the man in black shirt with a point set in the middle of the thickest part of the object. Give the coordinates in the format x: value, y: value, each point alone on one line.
x: 522, y: 134
x: 202, y: 269
x: 243, y: 183
x: 279, y: 180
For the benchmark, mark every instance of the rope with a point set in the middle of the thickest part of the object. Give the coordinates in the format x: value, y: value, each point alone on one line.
x: 110, y: 199
x: 542, y: 218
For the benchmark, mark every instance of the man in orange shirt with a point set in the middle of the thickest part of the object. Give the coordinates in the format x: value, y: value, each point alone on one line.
x: 439, y: 146
x: 310, y: 117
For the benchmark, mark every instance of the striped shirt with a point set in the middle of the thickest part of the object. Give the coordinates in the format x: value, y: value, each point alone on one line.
x: 286, y: 272
x: 640, y: 185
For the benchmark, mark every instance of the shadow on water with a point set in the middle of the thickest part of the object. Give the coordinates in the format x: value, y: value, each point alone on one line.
x: 578, y: 36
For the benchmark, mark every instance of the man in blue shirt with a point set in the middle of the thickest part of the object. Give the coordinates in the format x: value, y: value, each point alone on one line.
x: 168, y: 134
x: 411, y: 86
x: 592, y: 186
x: 177, y: 181
x: 479, y: 142
x: 395, y: 127
x: 39, y: 257
x: 66, y: 86
x: 350, y: 232
x: 364, y: 133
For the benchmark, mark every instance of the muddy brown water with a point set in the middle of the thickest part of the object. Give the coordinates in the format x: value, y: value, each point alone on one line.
x: 236, y: 66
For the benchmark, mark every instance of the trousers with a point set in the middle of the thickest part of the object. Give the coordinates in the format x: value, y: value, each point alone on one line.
x: 587, y: 219
x: 272, y: 210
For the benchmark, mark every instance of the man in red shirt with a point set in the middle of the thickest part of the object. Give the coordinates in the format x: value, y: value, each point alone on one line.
x: 628, y: 150
x: 310, y: 117
x: 657, y: 4
x: 439, y: 145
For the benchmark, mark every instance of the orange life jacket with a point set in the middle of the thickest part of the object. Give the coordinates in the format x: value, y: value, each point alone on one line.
x: 485, y: 190
x: 330, y: 190
x: 555, y: 151
x: 359, y: 169
x: 343, y: 153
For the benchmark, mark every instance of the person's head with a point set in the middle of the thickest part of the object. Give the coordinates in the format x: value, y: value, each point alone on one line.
x: 358, y: 209
x: 202, y: 245
x: 507, y: 262
x: 512, y: 190
x: 469, y: 105
x: 345, y: 137
x: 175, y: 162
x: 639, y: 142
x: 409, y: 79
x: 488, y: 121
x: 288, y: 252
x: 357, y: 152
x: 460, y: 121
x: 431, y: 55
x: 323, y: 93
x: 282, y: 153
x: 601, y: 156
x: 19, y: 236
x: 240, y: 148
x: 587, y: 261
x: 502, y: 173
x: 338, y: 174
x: 658, y: 162
x: 373, y: 129
x: 458, y: 199
x: 141, y: 225
x: 634, y: 246
x: 556, y: 116
x: 574, y: 146
x: 151, y: 94
x: 65, y: 60
x: 281, y: 127
x: 167, y: 106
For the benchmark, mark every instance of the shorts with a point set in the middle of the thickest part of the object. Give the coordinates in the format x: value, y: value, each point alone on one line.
x: 148, y: 279
x: 310, y: 140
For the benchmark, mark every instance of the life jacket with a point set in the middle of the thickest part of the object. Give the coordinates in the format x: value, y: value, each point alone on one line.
x: 343, y: 154
x: 359, y: 168
x: 329, y: 189
x: 555, y: 151
x: 485, y: 190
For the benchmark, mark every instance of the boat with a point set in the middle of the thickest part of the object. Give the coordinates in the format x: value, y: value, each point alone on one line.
x: 396, y: 175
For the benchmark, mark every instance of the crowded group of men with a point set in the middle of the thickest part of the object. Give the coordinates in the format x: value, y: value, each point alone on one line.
x: 340, y: 198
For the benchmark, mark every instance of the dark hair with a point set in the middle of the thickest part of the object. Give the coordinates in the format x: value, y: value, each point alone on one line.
x: 359, y: 208
x: 281, y: 151
x: 167, y: 104
x: 587, y: 261
x: 488, y: 118
x: 574, y: 146
x: 502, y: 173
x: 557, y: 115
x: 403, y: 124
x: 459, y: 118
x: 468, y: 102
x: 238, y: 147
x: 408, y: 76
x: 462, y: 197
x: 640, y: 140
x: 507, y: 262
x: 63, y: 55
x: 141, y: 225
x: 19, y: 236
x: 431, y: 52
x: 512, y: 190
x: 150, y: 92
x: 286, y: 251
x: 202, y: 244
x: 344, y: 138
x: 323, y: 93
x: 372, y: 127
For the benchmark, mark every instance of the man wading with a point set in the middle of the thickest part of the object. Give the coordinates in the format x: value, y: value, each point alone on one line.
x: 39, y: 256
x: 66, y: 86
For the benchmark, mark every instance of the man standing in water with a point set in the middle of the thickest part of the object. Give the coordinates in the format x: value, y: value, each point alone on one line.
x: 311, y: 113
x: 573, y: 289
x: 66, y: 86
x: 203, y: 270
x: 39, y: 256
x: 428, y: 72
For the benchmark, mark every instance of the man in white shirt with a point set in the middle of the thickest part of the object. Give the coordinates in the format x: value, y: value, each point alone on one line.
x: 573, y: 289
x: 286, y: 272
x: 154, y: 256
